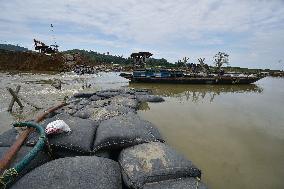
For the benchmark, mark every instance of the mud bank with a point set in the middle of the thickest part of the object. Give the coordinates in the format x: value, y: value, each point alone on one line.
x: 109, y: 146
x: 30, y: 61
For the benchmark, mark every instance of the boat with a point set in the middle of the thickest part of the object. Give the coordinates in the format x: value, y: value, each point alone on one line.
x: 179, y: 77
x: 176, y: 76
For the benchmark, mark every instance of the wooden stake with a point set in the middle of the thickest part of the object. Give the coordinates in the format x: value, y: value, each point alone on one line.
x: 15, y: 98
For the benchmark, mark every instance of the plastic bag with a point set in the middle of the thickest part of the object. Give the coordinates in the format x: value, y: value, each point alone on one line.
x: 55, y: 127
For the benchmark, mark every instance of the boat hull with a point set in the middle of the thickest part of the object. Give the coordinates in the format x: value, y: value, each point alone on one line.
x: 194, y: 80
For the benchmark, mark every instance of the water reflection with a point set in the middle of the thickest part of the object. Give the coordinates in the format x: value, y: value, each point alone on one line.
x: 197, y: 93
x: 236, y: 140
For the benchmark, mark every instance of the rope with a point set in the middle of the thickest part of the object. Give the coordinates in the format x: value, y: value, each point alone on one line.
x: 197, y: 182
x: 11, y: 173
x: 7, y: 176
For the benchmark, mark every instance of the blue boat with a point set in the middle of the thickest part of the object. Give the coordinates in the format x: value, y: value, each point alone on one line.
x: 152, y: 75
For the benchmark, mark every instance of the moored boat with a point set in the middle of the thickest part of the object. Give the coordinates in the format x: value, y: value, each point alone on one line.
x: 180, y: 77
x: 141, y: 74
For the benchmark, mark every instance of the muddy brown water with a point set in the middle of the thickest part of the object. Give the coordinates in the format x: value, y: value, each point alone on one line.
x: 234, y: 134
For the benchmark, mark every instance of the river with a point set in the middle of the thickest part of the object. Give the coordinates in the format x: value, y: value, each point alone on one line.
x: 234, y: 134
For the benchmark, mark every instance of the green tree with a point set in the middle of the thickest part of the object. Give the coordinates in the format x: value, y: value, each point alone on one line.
x: 220, y: 59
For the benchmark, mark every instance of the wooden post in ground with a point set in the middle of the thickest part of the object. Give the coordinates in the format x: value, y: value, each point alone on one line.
x: 15, y: 98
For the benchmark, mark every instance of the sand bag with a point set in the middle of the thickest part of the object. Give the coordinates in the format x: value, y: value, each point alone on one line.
x: 108, y: 93
x: 95, y: 98
x: 124, y: 131
x: 83, y: 95
x: 82, y: 172
x: 88, y: 111
x: 125, y: 101
x: 40, y: 159
x: 80, y: 140
x: 73, y: 107
x: 109, y: 111
x: 154, y: 162
x: 182, y: 183
x: 8, y: 137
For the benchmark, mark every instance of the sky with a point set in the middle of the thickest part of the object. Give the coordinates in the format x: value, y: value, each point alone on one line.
x: 250, y: 31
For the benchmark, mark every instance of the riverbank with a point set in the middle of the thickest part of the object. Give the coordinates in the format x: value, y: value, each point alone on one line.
x: 30, y: 61
x: 81, y: 62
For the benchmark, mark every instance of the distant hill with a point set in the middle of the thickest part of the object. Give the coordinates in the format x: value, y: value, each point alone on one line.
x: 13, y: 47
x: 100, y: 58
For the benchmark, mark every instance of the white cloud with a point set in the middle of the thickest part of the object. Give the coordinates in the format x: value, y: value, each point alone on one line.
x: 168, y: 27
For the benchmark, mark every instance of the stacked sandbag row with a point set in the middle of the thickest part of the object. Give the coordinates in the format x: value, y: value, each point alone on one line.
x: 115, y: 148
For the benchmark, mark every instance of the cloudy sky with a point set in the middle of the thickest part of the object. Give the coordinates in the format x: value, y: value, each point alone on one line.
x: 250, y: 31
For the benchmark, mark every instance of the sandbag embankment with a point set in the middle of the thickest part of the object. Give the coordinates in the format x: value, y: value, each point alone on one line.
x: 111, y: 142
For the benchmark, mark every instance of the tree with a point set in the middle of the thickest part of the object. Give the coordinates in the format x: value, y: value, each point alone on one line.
x: 220, y: 59
x: 203, y: 66
x: 183, y: 62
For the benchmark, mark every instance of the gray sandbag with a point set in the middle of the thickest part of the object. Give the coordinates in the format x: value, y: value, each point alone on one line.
x: 40, y: 159
x: 154, y: 162
x: 108, y: 93
x: 110, y: 154
x: 84, y: 102
x: 83, y: 95
x: 99, y: 103
x: 119, y: 109
x: 8, y: 137
x: 85, y: 113
x: 125, y: 101
x: 128, y: 91
x: 149, y: 98
x: 88, y: 110
x: 95, y: 98
x: 91, y: 109
x: 109, y: 111
x: 73, y: 107
x: 182, y: 183
x: 82, y: 172
x: 79, y: 140
x: 124, y: 131
x: 65, y: 110
x: 103, y: 154
x: 129, y: 96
